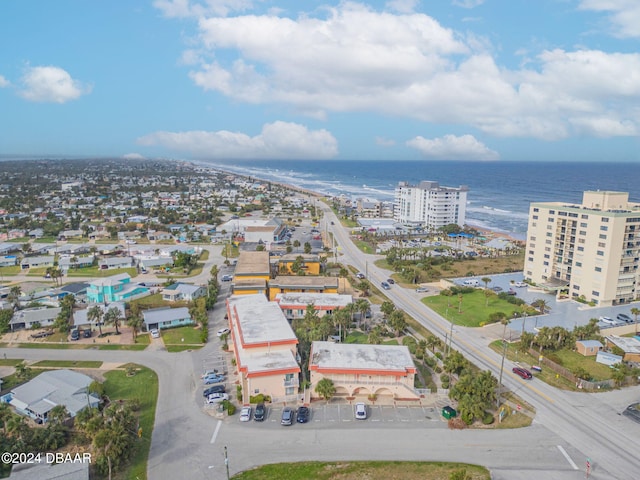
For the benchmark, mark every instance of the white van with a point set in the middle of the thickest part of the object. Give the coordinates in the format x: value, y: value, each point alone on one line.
x: 471, y: 283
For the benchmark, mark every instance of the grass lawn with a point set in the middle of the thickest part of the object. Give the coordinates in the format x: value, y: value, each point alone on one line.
x: 182, y: 348
x: 13, y: 270
x: 186, y: 335
x: 10, y: 362
x: 204, y: 256
x: 572, y: 360
x: 364, y: 247
x: 393, y: 341
x: 45, y: 240
x: 153, y: 301
x: 98, y: 272
x: 79, y: 346
x: 473, y: 312
x: 68, y: 363
x: 143, y: 386
x: 356, y: 337
x: 360, y: 470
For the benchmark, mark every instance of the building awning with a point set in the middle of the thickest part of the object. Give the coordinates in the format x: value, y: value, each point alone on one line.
x: 554, y: 284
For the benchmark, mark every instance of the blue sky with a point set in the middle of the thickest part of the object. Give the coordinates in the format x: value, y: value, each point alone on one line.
x: 273, y: 79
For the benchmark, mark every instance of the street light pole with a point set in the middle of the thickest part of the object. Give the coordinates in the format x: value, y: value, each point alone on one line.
x: 226, y: 461
x: 504, y: 352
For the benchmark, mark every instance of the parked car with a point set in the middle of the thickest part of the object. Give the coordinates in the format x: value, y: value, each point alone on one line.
x: 422, y: 290
x: 87, y: 333
x: 260, y: 412
x: 607, y: 320
x: 75, y: 334
x: 245, y: 414
x: 522, y: 372
x: 214, y: 389
x: 287, y: 416
x: 511, y: 291
x: 213, y: 379
x: 217, y: 397
x: 303, y: 415
x: 209, y: 373
x: 360, y: 275
x: 623, y: 317
x: 42, y: 334
x: 360, y: 411
x: 520, y: 284
x: 155, y: 333
x: 223, y: 331
x: 226, y: 278
x: 496, y: 289
x: 385, y: 285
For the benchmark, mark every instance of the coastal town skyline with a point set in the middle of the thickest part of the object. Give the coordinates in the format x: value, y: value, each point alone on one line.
x: 327, y: 80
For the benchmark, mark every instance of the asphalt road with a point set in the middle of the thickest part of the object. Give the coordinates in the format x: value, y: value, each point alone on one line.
x: 568, y: 428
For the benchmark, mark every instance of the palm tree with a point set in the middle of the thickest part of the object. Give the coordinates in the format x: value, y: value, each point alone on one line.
x: 541, y: 305
x: 326, y: 388
x: 433, y: 342
x: 135, y: 322
x: 635, y: 312
x: 113, y: 316
x: 362, y: 306
x: 14, y: 295
x: 95, y: 315
x: 486, y: 281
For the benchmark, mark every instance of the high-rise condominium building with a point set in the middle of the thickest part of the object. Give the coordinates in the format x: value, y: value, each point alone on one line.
x: 430, y: 205
x: 591, y: 249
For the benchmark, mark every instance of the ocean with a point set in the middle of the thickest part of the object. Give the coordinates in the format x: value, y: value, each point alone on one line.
x: 499, y: 192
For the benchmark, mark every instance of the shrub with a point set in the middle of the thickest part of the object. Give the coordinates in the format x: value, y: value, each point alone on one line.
x: 204, y: 334
x: 554, y: 358
x: 229, y: 407
x: 438, y: 369
x: 260, y: 398
x: 488, y: 418
x: 438, y: 355
x: 429, y: 361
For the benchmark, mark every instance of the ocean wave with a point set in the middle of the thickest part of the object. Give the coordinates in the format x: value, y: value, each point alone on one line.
x: 498, y: 212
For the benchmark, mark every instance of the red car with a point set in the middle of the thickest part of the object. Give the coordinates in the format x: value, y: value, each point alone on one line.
x: 526, y: 374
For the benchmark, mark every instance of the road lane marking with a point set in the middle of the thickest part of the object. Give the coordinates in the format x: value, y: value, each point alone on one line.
x: 566, y: 455
x: 215, y: 432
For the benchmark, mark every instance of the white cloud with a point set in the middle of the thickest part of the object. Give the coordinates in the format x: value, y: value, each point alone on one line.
x: 624, y: 15
x: 467, y: 3
x: 4, y: 82
x: 51, y: 84
x: 280, y: 140
x: 451, y: 147
x: 133, y: 156
x: 355, y: 59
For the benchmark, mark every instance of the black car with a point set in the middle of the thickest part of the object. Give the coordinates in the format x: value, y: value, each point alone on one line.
x: 214, y: 389
x: 260, y: 412
x: 391, y: 281
x: 623, y: 317
x: 303, y: 415
x: 86, y: 333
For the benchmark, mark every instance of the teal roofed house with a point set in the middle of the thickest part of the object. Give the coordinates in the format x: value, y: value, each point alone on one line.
x: 116, y: 288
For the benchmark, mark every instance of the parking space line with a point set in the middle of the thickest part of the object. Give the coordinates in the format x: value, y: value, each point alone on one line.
x: 566, y: 455
x: 215, y: 432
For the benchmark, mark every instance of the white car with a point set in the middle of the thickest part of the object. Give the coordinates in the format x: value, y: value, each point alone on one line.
x: 520, y: 284
x: 361, y: 411
x: 245, y: 414
x: 422, y: 290
x: 223, y: 331
x: 217, y: 397
x: 209, y: 373
x: 155, y: 333
x: 607, y: 320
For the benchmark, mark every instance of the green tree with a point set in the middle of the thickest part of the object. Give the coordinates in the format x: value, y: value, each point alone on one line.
x: 5, y: 319
x: 635, y: 312
x: 387, y: 308
x: 14, y: 296
x: 326, y: 389
x: 541, y: 305
x: 135, y: 322
x: 398, y: 322
x: 113, y: 317
x: 94, y: 315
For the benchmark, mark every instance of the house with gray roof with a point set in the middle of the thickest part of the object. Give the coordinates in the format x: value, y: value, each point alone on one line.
x: 183, y: 292
x: 115, y: 262
x: 161, y: 318
x: 37, y: 262
x: 31, y: 317
x: 37, y: 397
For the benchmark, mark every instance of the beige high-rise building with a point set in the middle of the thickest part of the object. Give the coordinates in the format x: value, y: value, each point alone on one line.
x: 591, y: 250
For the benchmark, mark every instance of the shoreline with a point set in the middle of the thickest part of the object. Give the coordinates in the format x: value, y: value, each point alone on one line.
x: 487, y: 232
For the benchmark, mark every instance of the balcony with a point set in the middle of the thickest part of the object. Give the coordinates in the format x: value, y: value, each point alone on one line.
x: 294, y: 382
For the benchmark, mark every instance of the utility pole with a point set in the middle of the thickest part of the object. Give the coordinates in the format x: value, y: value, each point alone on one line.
x: 504, y: 352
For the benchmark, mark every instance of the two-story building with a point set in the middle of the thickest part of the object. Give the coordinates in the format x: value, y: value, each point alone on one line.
x: 116, y: 288
x: 264, y: 346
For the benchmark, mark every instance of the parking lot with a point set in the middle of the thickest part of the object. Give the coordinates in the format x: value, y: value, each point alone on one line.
x: 330, y: 415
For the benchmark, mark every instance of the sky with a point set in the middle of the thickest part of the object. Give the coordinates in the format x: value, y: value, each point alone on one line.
x: 485, y: 80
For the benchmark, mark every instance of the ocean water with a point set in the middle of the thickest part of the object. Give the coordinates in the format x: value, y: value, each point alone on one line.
x: 499, y: 192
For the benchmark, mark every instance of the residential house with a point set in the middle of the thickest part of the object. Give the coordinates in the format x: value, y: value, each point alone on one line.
x: 44, y: 261
x: 294, y: 305
x: 39, y: 396
x: 159, y: 236
x: 166, y: 317
x: 183, y: 292
x: 113, y: 263
x: 69, y: 263
x: 116, y: 288
x: 8, y: 261
x: 155, y: 262
x: 264, y: 347
x: 34, y: 317
x: 629, y: 345
x: 67, y: 234
x: 359, y: 370
x: 588, y: 348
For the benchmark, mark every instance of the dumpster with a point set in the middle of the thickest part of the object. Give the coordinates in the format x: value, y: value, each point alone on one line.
x: 448, y: 412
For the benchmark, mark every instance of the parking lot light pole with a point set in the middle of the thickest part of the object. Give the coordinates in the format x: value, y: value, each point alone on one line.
x: 226, y: 461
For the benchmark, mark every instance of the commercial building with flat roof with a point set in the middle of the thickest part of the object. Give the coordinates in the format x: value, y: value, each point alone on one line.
x: 589, y: 250
x: 264, y: 346
x: 362, y: 370
x: 430, y: 204
x: 302, y: 284
x: 294, y: 305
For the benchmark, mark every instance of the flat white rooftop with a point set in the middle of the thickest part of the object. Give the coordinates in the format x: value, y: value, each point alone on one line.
x: 274, y: 361
x: 301, y: 300
x: 351, y: 356
x: 260, y: 321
